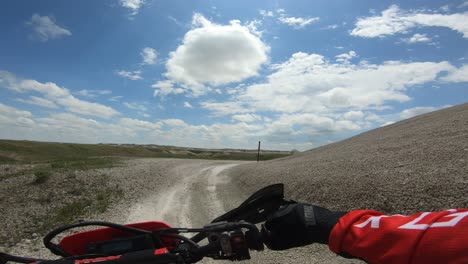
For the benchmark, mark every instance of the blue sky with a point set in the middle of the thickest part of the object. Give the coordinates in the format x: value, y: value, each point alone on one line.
x: 293, y: 74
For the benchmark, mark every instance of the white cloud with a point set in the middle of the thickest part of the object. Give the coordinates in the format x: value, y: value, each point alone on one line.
x: 69, y: 121
x: 226, y: 108
x: 297, y: 22
x: 187, y: 105
x: 417, y: 38
x: 166, y: 87
x: 38, y: 101
x: 149, y: 55
x: 309, y: 82
x: 445, y: 8
x: 135, y: 106
x: 139, y: 125
x: 291, y: 127
x: 265, y: 13
x: 174, y: 122
x: 247, y: 118
x: 133, y: 5
x: 353, y: 115
x: 213, y: 54
x: 411, y: 112
x: 78, y: 106
x: 458, y: 75
x: 57, y: 95
x: 346, y: 57
x: 334, y: 26
x: 13, y: 112
x: 10, y: 116
x: 45, y: 28
x: 371, y: 117
x: 132, y: 75
x: 394, y: 20
x: 115, y: 98
x: 92, y: 93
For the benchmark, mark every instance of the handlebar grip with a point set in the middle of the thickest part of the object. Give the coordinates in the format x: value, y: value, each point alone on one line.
x: 158, y: 256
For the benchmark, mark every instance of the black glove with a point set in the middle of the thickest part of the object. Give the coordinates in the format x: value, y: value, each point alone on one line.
x: 296, y: 225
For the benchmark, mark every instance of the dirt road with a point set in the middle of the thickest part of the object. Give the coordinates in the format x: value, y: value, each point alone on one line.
x: 201, y: 191
x: 193, y: 200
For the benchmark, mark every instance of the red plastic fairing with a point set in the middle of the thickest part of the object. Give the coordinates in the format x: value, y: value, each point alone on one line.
x: 94, y: 260
x: 76, y: 244
x: 160, y: 251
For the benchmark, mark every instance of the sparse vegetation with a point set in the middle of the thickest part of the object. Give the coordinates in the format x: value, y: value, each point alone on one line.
x: 92, y: 203
x: 64, y: 155
x: 4, y: 159
x: 41, y: 176
x: 84, y: 163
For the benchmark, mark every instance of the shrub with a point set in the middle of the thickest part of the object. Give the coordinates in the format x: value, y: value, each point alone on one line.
x: 41, y: 176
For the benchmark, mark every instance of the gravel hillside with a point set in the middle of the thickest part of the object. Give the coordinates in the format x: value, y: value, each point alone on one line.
x: 419, y: 164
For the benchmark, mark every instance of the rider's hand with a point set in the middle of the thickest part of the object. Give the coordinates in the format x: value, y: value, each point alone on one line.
x: 299, y: 224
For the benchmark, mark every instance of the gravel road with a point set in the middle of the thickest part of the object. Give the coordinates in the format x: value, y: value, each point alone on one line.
x: 201, y: 191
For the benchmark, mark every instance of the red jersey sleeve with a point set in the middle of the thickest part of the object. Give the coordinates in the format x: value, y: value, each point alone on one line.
x: 430, y: 237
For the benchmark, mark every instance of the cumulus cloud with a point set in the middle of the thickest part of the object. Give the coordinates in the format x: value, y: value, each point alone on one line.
x: 312, y: 98
x: 411, y: 112
x: 188, y: 105
x: 139, y: 125
x: 45, y: 28
x: 297, y: 22
x: 394, y: 20
x: 12, y: 116
x: 226, y: 108
x: 40, y: 101
x: 92, y: 93
x: 135, y: 106
x: 294, y: 22
x: 265, y: 13
x: 309, y: 82
x: 55, y: 94
x: 166, y: 87
x: 353, y: 115
x: 149, y: 55
x: 67, y: 127
x: 417, y: 38
x: 132, y: 75
x: 247, y: 118
x: 346, y: 57
x: 213, y: 55
x: 133, y: 5
x: 458, y: 75
x: 307, y: 127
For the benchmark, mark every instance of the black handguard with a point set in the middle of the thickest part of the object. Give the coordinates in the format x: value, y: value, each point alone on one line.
x: 296, y: 225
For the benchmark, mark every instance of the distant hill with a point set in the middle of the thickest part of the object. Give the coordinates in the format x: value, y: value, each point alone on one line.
x: 33, y: 151
x: 418, y: 164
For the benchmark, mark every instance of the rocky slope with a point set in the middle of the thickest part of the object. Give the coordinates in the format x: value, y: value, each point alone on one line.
x: 418, y: 164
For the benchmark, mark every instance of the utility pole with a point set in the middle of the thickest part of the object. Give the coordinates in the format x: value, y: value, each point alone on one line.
x: 258, y: 153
